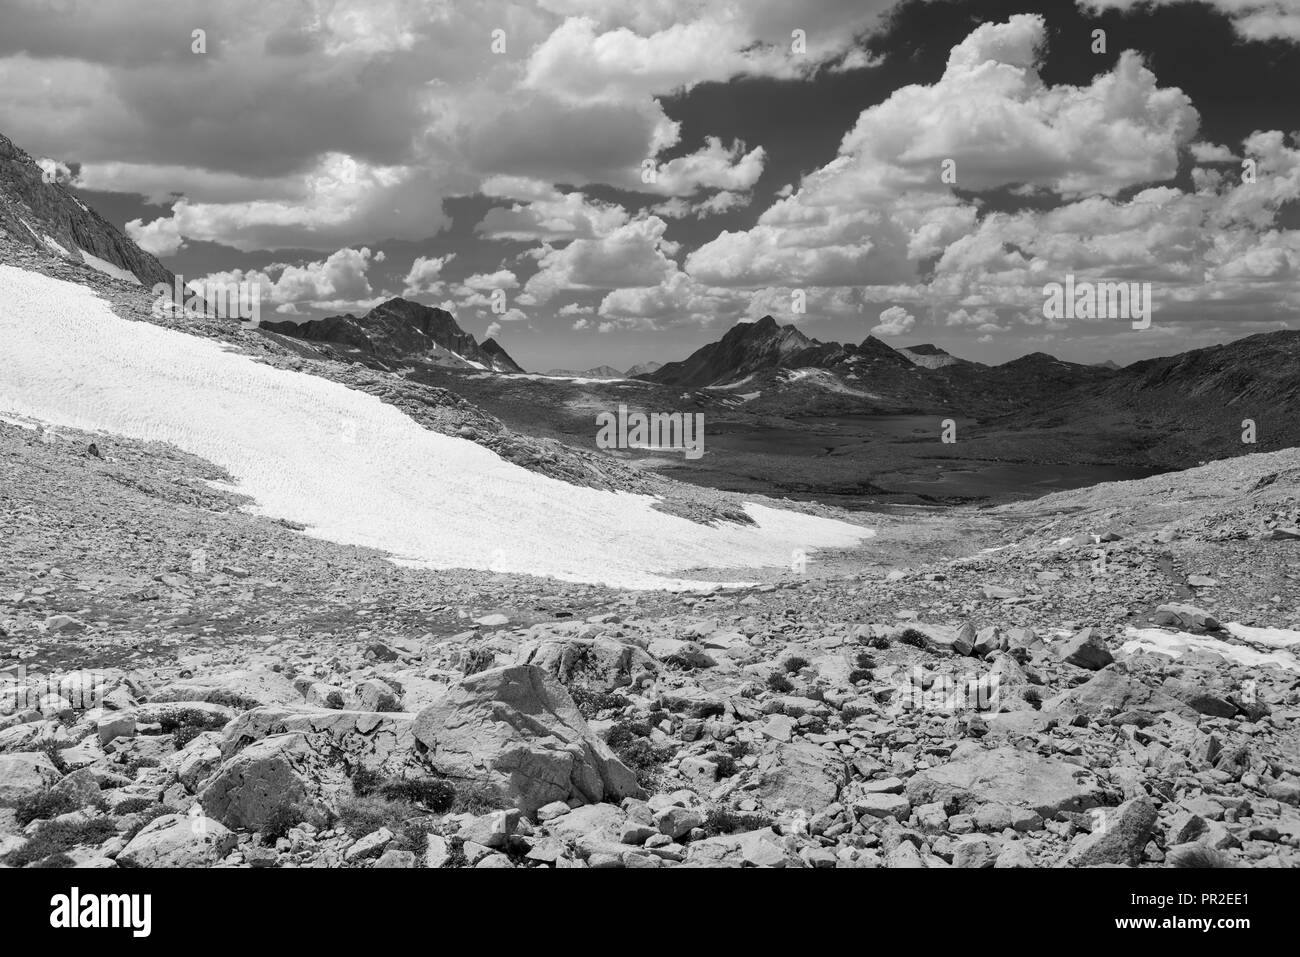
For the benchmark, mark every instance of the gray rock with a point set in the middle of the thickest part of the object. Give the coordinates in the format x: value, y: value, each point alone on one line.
x: 1010, y: 777
x: 178, y: 840
x: 517, y: 729
x: 25, y: 775
x: 799, y: 776
x: 1086, y: 649
x: 1119, y: 836
x: 258, y: 781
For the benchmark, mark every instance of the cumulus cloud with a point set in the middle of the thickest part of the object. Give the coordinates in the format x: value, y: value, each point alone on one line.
x: 1253, y: 19
x: 425, y: 275
x: 338, y: 282
x: 894, y: 321
x: 635, y: 254
x: 873, y: 213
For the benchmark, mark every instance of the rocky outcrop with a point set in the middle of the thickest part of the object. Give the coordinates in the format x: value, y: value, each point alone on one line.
x: 517, y: 729
x: 47, y: 217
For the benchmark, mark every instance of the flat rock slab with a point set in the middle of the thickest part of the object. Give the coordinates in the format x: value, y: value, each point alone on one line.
x: 799, y: 776
x: 1011, y: 777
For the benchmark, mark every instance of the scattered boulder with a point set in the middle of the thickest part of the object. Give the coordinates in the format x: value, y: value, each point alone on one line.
x: 517, y: 729
x: 178, y: 840
x: 1010, y: 777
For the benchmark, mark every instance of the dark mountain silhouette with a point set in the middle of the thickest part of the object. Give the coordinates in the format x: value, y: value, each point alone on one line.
x: 399, y: 330
x: 47, y: 217
x: 498, y: 358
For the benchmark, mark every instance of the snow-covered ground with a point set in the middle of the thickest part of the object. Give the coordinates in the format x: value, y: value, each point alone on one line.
x: 349, y: 467
x: 1178, y: 643
x: 108, y: 269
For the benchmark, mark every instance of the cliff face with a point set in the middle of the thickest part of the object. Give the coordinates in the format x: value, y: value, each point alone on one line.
x: 47, y: 217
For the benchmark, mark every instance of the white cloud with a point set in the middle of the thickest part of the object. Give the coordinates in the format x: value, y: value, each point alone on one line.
x: 635, y: 254
x: 894, y: 321
x: 1253, y: 19
x: 424, y: 277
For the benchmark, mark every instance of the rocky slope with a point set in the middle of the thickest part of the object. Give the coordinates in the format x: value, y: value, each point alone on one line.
x: 225, y: 692
x: 46, y: 216
x: 399, y: 331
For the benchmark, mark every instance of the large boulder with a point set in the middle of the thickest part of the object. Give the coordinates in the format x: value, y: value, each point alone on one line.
x: 261, y: 779
x: 601, y: 664
x: 178, y: 840
x: 761, y: 848
x: 517, y: 729
x: 1115, y: 691
x: 1086, y: 649
x: 24, y: 775
x: 1119, y: 837
x: 1007, y: 776
x: 235, y: 689
x: 801, y: 775
x: 371, y: 738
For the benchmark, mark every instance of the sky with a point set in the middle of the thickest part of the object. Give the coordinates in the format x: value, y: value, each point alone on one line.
x: 615, y: 181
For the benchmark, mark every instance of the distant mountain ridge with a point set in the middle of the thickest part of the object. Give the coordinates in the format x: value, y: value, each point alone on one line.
x: 400, y: 330
x: 47, y: 217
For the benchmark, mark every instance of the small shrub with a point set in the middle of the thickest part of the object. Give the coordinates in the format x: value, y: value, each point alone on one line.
x: 796, y: 664
x: 475, y: 797
x: 365, y: 781
x: 183, y: 736
x: 865, y: 660
x: 645, y: 761
x: 135, y: 805
x: 1200, y: 856
x: 56, y: 860
x: 412, y: 836
x: 622, y: 733
x: 591, y: 703
x: 52, y: 751
x: 437, y: 794
x: 365, y: 815
x: 727, y: 766
x: 914, y: 638
x: 880, y: 643
x: 860, y: 674
x: 43, y: 807
x: 282, y: 819
x: 54, y: 837
x: 476, y: 660
x: 727, y: 821
x: 779, y: 683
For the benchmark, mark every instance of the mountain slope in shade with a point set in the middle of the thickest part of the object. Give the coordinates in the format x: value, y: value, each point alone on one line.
x: 396, y: 331
x: 47, y: 217
x: 929, y: 356
x: 1208, y: 393
x: 498, y: 358
x: 746, y: 348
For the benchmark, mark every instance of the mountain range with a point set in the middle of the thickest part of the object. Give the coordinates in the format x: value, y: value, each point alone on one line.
x: 398, y: 331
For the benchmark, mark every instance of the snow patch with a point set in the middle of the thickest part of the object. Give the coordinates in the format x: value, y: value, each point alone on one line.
x: 349, y: 467
x: 106, y: 267
x: 1178, y: 643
